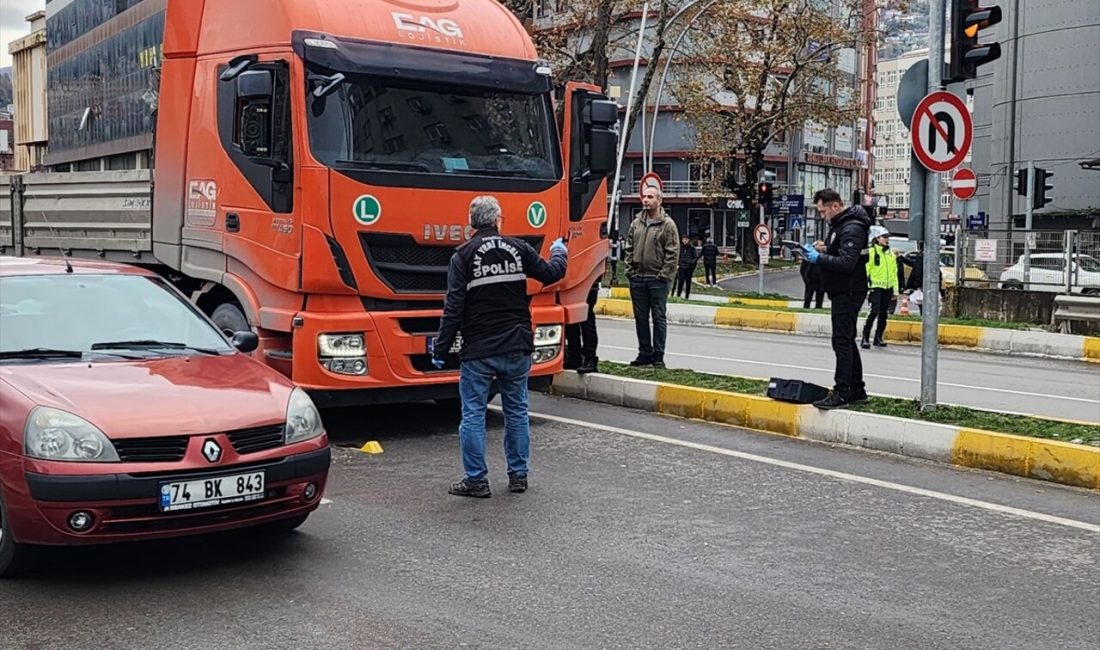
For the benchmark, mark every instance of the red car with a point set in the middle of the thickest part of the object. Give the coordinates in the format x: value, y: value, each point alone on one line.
x: 125, y: 414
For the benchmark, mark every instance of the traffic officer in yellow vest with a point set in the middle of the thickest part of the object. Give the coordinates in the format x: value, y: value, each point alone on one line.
x: 882, y: 276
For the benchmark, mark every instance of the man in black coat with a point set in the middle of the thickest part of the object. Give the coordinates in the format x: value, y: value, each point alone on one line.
x: 686, y: 268
x: 844, y: 274
x: 710, y: 262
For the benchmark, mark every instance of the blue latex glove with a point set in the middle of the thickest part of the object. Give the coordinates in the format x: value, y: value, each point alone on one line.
x: 438, y: 363
x: 811, y: 253
x: 558, y: 244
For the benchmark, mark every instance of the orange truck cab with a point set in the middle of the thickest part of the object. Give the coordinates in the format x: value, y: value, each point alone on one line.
x: 314, y: 165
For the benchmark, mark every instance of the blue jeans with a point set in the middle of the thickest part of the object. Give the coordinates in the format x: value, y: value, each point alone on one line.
x: 650, y: 296
x: 475, y: 378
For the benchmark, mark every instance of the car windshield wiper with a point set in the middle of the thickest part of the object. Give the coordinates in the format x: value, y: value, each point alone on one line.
x: 141, y: 344
x: 497, y: 172
x: 386, y: 164
x: 41, y: 353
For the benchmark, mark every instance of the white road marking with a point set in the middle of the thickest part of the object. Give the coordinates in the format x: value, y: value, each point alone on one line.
x: 843, y: 476
x: 772, y: 364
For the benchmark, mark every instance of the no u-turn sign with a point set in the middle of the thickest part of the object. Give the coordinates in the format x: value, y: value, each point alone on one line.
x: 942, y: 131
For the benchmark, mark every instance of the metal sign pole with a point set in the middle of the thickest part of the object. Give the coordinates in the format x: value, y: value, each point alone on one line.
x: 760, y: 285
x: 930, y: 327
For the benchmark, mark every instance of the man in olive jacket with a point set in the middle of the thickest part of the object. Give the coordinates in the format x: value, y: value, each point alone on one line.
x: 652, y: 255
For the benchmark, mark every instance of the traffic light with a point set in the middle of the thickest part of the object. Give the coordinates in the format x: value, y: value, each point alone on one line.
x: 1021, y: 182
x: 765, y: 193
x: 1043, y: 184
x: 967, y: 20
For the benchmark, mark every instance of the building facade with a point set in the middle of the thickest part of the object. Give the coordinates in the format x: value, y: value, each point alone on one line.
x: 29, y: 94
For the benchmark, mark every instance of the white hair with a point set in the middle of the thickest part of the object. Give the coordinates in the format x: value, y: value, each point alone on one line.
x: 484, y: 212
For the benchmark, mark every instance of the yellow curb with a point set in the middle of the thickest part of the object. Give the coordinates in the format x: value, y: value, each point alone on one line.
x: 962, y: 335
x: 747, y: 411
x: 728, y: 317
x: 1092, y: 348
x: 680, y: 400
x: 620, y: 293
x: 902, y: 330
x: 760, y: 302
x: 782, y: 321
x: 1051, y: 460
x: 615, y: 308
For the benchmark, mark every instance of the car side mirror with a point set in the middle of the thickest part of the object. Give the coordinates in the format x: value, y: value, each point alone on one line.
x: 245, y: 341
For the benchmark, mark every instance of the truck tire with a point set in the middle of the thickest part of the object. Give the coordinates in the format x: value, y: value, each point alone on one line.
x: 15, y: 559
x: 230, y: 319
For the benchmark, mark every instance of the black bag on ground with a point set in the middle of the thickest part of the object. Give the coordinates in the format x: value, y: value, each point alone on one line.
x: 795, y: 391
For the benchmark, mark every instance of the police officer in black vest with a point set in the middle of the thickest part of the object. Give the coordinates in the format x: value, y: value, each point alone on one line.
x: 487, y: 300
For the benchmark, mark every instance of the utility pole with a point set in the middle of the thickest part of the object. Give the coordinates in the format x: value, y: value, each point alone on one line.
x: 930, y: 321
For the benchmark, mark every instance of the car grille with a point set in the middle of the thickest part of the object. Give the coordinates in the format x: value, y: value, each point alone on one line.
x: 151, y: 450
x: 408, y: 267
x: 248, y: 441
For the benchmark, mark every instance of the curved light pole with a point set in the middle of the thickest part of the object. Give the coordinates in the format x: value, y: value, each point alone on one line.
x: 613, y: 212
x: 664, y: 73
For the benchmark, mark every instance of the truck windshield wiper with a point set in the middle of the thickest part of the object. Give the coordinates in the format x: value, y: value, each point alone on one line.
x: 41, y: 353
x: 498, y: 172
x: 141, y: 344
x: 385, y: 164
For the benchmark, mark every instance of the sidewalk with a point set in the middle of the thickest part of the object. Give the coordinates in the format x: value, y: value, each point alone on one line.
x: 1018, y: 342
x: 1048, y: 460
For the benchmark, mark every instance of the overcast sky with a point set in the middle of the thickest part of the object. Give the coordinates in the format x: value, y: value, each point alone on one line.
x: 12, y: 25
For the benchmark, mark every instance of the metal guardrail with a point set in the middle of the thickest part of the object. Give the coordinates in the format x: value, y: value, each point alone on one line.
x: 1071, y: 309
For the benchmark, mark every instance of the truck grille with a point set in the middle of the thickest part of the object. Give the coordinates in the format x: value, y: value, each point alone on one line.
x: 408, y: 267
x: 151, y: 450
x: 248, y: 441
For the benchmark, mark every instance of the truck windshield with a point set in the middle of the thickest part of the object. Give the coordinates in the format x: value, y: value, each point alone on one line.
x: 397, y: 126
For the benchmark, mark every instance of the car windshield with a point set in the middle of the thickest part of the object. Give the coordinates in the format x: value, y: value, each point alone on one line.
x: 393, y: 125
x: 79, y: 313
x: 1090, y: 264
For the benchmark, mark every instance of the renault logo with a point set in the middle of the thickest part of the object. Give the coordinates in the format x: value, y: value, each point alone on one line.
x: 212, y: 450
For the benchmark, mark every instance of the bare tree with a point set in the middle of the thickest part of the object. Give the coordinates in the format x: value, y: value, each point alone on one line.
x: 760, y: 69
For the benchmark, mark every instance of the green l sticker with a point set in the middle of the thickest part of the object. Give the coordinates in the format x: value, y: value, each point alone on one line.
x: 536, y: 214
x: 367, y: 209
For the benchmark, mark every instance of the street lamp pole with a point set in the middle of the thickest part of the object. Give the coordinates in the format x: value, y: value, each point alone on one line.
x: 613, y: 212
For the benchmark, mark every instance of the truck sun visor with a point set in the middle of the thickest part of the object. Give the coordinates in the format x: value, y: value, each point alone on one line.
x: 421, y: 64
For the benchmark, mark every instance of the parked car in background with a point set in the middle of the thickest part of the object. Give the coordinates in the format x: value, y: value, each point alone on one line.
x: 1048, y: 273
x: 974, y: 276
x: 125, y: 414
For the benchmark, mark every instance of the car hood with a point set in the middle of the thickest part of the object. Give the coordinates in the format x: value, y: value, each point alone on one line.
x: 168, y: 396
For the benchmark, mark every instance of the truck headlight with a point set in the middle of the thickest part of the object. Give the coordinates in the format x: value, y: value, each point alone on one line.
x: 548, y: 335
x: 53, y: 434
x: 302, y: 419
x: 341, y: 345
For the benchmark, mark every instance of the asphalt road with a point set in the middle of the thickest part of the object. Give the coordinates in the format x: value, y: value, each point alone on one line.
x: 1061, y: 389
x: 786, y: 283
x: 639, y: 531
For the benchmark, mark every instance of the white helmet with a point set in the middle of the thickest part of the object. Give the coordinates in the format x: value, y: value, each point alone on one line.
x: 876, y: 232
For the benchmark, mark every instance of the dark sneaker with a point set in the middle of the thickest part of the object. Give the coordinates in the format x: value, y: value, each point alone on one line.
x: 468, y: 488
x: 642, y: 361
x: 589, y: 365
x: 880, y: 344
x: 517, y: 483
x: 866, y: 345
x: 572, y: 363
x: 659, y: 365
x: 859, y: 398
x: 833, y: 400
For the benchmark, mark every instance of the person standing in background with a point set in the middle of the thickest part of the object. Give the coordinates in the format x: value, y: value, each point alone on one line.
x: 710, y: 262
x: 882, y: 276
x: 811, y: 276
x: 582, y: 339
x: 613, y: 257
x: 688, y: 259
x: 651, y: 256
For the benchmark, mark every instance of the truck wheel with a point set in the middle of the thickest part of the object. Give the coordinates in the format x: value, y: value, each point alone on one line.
x: 230, y: 319
x: 15, y: 559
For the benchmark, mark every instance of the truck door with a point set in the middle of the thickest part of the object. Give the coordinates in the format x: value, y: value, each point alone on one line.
x: 590, y: 139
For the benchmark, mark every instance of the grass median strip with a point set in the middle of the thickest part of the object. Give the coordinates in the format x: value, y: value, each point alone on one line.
x: 1031, y: 427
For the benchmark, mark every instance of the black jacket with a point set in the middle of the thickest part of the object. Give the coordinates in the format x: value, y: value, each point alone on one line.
x: 811, y: 274
x: 844, y: 262
x: 916, y: 276
x: 688, y: 257
x: 710, y: 254
x: 487, y: 295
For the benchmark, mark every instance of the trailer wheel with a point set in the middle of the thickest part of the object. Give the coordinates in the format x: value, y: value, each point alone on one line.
x: 230, y: 319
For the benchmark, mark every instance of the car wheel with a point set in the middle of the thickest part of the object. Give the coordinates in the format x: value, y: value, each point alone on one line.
x: 15, y: 559
x: 283, y: 526
x: 1091, y: 292
x: 230, y: 319
x: 1012, y: 286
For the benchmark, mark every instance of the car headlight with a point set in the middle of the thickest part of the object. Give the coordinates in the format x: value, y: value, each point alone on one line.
x: 548, y: 334
x: 302, y: 419
x: 341, y: 345
x: 53, y: 434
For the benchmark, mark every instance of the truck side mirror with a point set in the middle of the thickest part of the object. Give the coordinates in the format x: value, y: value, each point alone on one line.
x: 254, y: 129
x: 602, y: 120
